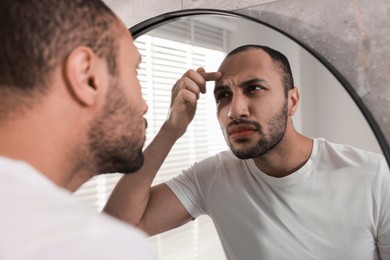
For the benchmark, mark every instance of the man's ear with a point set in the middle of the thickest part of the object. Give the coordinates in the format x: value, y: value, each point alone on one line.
x: 82, y: 75
x: 293, y: 101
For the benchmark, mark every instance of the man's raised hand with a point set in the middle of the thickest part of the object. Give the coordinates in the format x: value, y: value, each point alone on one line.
x: 185, y: 94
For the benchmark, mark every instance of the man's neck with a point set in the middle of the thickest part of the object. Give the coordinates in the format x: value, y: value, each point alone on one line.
x: 40, y: 144
x: 287, y: 157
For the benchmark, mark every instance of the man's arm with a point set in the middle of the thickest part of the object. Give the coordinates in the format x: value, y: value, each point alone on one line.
x: 157, y: 209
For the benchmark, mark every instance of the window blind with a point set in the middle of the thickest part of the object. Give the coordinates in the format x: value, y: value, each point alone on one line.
x: 165, y: 61
x: 166, y: 54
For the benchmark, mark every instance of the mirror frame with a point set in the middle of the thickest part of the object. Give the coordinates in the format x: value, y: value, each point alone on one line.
x: 151, y: 23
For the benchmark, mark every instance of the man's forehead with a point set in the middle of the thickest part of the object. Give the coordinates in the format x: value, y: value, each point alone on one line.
x: 251, y: 55
x: 240, y: 71
x: 128, y: 41
x: 249, y: 61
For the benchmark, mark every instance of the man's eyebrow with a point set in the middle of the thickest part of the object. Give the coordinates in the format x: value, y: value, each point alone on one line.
x: 222, y: 86
x: 252, y: 81
x: 139, y: 61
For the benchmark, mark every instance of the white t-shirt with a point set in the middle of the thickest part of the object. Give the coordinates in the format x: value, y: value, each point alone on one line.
x: 337, y: 206
x: 40, y: 220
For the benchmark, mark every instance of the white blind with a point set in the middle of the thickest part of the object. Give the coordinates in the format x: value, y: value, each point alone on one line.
x: 166, y: 54
x: 203, y: 31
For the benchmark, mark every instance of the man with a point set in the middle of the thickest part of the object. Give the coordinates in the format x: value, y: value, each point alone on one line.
x: 277, y: 194
x: 70, y: 107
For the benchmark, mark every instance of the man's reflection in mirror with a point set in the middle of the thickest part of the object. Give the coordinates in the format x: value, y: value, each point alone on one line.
x: 276, y: 194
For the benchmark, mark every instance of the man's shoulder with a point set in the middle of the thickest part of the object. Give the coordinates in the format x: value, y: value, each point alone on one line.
x: 105, y: 234
x: 347, y: 148
x: 63, y: 228
x: 51, y: 223
x: 348, y: 154
x: 218, y: 162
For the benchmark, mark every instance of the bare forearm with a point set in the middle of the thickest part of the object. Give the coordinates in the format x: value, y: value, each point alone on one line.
x: 158, y: 209
x: 130, y: 197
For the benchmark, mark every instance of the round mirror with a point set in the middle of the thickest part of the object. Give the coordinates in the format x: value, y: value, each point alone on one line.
x: 172, y: 43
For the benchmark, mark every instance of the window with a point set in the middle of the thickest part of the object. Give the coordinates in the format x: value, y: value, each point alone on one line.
x: 166, y: 54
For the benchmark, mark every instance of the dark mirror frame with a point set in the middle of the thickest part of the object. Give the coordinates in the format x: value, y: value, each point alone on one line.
x: 150, y: 24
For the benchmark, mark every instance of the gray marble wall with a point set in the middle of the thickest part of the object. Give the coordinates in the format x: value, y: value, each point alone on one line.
x: 353, y: 35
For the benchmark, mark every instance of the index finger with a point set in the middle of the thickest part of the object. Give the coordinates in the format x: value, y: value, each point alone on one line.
x: 209, y: 76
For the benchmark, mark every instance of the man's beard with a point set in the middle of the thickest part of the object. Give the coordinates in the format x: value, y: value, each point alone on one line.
x: 277, y: 128
x: 115, y: 143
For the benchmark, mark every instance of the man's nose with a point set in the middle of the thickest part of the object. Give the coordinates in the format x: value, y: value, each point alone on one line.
x: 238, y: 107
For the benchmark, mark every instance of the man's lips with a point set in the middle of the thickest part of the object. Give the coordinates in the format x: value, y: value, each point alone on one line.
x: 241, y: 130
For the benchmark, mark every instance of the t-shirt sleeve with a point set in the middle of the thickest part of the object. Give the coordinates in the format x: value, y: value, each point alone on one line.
x: 383, y: 240
x: 191, y: 187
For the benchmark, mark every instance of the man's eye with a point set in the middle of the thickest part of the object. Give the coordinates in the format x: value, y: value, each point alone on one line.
x: 221, y: 95
x: 254, y: 88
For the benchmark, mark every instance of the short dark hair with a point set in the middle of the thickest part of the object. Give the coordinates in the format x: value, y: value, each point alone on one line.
x: 37, y: 35
x: 278, y: 58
